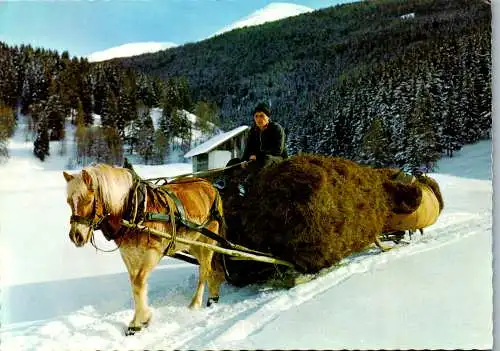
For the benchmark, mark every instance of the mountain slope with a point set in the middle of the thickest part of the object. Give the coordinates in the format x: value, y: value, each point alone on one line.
x: 269, y: 13
x: 299, y: 63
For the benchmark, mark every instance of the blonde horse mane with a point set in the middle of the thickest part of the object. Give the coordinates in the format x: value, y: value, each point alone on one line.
x: 112, y: 186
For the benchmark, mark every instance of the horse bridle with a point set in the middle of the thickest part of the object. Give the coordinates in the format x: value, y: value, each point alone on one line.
x: 94, y: 220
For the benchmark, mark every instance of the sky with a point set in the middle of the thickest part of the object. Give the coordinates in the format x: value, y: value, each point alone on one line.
x: 85, y: 26
x: 434, y: 293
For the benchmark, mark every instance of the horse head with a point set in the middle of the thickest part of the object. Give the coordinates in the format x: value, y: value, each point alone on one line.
x: 98, y: 195
x: 81, y: 198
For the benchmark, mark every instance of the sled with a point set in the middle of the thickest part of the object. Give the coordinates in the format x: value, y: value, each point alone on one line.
x: 243, y: 264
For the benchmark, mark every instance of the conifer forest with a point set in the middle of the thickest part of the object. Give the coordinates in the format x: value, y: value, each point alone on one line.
x: 385, y: 83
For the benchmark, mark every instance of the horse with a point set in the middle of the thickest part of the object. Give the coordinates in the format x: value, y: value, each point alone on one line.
x: 100, y: 196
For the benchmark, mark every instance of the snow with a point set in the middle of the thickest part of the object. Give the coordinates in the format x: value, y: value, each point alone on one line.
x: 129, y: 49
x: 272, y: 12
x: 435, y: 292
x: 408, y: 15
x: 215, y: 141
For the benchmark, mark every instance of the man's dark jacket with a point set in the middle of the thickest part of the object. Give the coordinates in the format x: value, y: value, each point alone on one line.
x: 269, y: 142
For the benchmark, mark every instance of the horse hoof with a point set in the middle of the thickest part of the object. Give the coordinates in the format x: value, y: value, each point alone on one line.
x: 132, y: 330
x: 212, y: 300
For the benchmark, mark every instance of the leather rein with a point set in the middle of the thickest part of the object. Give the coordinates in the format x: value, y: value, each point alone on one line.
x: 136, y: 213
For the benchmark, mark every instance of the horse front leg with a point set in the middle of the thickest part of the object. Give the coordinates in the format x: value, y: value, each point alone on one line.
x: 139, y: 268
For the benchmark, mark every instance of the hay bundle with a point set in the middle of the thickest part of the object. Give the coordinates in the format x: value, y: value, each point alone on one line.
x: 415, y: 201
x: 314, y: 210
x: 310, y: 210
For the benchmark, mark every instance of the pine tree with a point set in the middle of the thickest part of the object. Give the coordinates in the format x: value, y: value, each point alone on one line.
x: 99, y: 150
x: 55, y: 112
x: 81, y: 137
x: 82, y: 142
x: 85, y: 94
x: 160, y: 147
x: 181, y: 126
x: 7, y: 120
x: 132, y: 135
x: 422, y: 148
x: 374, y: 146
x: 158, y: 91
x: 7, y: 127
x: 165, y: 124
x: 4, y: 151
x: 145, y: 145
x: 114, y: 146
x: 483, y: 84
x: 207, y: 116
x: 41, y: 144
x: 8, y: 76
x: 451, y: 121
x: 126, y: 109
x: 109, y: 113
x: 471, y: 117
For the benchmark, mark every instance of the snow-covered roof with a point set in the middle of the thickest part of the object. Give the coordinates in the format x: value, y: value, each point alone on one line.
x: 408, y: 15
x: 215, y: 141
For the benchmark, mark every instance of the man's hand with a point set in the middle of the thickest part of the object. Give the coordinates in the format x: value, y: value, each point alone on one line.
x: 245, y: 163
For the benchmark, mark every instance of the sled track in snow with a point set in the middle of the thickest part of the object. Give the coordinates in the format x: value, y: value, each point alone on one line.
x: 462, y: 226
x: 227, y: 323
x: 240, y: 313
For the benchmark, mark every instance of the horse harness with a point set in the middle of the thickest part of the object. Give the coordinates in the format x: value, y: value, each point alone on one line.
x: 137, y: 214
x: 176, y: 214
x: 95, y: 220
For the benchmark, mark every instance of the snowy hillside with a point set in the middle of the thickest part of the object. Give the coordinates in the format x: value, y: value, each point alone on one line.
x: 435, y: 292
x: 272, y: 12
x: 130, y: 49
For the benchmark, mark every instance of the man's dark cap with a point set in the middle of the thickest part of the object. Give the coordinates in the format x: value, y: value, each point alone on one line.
x: 262, y: 107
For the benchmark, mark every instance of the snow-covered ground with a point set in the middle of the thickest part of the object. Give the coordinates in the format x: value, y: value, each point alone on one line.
x: 435, y: 292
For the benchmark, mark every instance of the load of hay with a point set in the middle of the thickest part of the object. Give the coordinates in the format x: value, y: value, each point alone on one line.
x: 310, y: 210
x: 313, y: 211
x: 415, y: 201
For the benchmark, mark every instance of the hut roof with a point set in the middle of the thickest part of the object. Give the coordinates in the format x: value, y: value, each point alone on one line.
x: 215, y: 141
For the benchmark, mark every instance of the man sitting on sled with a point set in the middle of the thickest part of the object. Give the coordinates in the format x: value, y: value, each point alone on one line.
x: 266, y: 140
x: 265, y: 145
